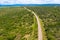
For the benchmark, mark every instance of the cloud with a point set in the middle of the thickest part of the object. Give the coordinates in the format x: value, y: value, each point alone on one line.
x: 52, y: 1
x: 29, y: 2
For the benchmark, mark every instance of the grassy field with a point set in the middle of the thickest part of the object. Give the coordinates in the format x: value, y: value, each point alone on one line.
x: 51, y: 19
x: 17, y: 24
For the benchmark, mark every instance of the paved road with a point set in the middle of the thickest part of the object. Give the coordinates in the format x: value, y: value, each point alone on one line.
x: 39, y: 25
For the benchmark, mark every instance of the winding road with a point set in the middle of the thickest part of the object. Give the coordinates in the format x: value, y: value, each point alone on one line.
x: 39, y: 24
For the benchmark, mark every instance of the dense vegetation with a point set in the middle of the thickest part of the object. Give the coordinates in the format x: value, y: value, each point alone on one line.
x: 17, y: 24
x: 51, y: 19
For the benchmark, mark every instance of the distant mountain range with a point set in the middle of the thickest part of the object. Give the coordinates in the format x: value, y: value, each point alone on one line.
x: 30, y: 5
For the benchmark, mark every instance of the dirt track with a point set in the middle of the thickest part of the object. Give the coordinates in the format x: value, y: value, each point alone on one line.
x: 39, y: 24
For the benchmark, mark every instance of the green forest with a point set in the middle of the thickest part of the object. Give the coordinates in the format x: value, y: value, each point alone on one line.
x: 16, y: 23
x: 50, y: 15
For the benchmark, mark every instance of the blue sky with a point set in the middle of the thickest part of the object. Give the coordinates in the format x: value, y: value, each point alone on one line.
x: 29, y: 2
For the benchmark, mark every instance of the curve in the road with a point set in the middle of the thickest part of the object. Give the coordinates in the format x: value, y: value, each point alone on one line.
x: 39, y: 24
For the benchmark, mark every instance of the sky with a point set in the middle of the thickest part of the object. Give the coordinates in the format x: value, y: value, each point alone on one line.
x: 29, y: 2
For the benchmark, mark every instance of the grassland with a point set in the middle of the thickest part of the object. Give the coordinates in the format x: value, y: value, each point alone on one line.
x: 51, y: 19
x: 17, y: 24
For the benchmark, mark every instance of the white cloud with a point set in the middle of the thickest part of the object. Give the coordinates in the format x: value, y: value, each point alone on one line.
x: 29, y: 1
